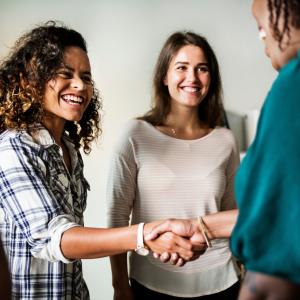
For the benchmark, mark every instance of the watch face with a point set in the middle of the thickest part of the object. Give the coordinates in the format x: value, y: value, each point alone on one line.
x: 142, y: 251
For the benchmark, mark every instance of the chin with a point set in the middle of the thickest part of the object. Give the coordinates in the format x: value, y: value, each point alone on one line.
x: 275, y: 65
x: 193, y: 103
x: 74, y: 118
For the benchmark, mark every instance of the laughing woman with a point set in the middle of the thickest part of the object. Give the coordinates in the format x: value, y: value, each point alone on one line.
x: 49, y: 108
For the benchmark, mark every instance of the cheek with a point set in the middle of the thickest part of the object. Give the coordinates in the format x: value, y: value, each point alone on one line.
x: 90, y: 93
x: 48, y: 95
x: 173, y: 79
x: 205, y: 80
x: 51, y: 85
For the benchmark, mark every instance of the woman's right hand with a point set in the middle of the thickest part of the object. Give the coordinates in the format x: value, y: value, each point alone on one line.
x: 188, y: 230
x: 171, y: 243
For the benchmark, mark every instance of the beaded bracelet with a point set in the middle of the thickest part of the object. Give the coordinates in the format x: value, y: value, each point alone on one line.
x: 204, y: 231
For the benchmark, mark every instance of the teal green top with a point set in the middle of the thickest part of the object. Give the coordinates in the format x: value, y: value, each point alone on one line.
x: 266, y: 237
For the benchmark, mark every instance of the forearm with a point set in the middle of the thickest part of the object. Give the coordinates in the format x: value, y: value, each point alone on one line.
x: 86, y: 242
x: 220, y: 225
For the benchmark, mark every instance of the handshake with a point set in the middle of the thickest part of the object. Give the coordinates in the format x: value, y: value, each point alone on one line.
x: 177, y: 240
x: 181, y: 240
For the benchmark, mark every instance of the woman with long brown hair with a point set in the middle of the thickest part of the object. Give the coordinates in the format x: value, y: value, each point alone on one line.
x: 176, y: 161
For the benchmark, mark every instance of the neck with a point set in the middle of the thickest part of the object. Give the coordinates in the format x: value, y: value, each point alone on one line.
x: 55, y: 126
x: 185, y: 120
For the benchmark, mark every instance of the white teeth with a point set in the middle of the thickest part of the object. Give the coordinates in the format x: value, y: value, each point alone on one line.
x: 191, y: 89
x: 72, y: 98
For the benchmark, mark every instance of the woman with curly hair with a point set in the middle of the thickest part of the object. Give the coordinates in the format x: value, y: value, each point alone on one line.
x: 49, y: 108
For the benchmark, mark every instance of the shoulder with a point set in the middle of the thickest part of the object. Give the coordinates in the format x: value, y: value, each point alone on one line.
x: 132, y: 133
x: 225, y: 135
x: 17, y: 148
x: 134, y: 129
x: 15, y: 138
x: 224, y: 140
x: 291, y: 70
x: 135, y: 126
x: 282, y: 102
x: 287, y: 81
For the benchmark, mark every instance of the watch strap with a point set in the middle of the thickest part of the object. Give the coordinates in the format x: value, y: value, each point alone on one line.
x: 140, y: 236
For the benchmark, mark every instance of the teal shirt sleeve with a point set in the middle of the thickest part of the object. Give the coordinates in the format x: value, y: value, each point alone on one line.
x: 266, y: 237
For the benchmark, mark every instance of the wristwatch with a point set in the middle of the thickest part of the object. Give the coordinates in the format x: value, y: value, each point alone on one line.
x: 141, y: 249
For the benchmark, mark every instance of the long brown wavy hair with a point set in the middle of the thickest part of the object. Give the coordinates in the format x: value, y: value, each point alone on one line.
x: 289, y: 10
x: 211, y: 108
x: 33, y: 61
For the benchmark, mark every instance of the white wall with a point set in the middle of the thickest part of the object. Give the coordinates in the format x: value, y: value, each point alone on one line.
x: 124, y: 38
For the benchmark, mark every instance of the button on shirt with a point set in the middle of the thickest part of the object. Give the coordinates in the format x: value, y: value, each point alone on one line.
x: 39, y: 200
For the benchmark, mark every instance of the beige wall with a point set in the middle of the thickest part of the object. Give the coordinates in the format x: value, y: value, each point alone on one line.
x: 124, y: 38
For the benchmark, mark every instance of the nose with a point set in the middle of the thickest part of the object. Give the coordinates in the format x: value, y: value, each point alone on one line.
x: 192, y: 75
x: 78, y: 84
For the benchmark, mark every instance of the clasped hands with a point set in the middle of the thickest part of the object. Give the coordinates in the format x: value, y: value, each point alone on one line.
x: 176, y: 241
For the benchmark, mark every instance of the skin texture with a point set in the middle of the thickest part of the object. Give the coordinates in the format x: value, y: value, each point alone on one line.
x: 74, y: 79
x: 188, y: 78
x: 85, y: 242
x: 219, y: 225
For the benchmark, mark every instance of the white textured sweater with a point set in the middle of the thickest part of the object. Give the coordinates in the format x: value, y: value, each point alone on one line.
x: 154, y: 176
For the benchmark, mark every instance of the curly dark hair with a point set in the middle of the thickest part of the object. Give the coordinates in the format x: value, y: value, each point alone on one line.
x: 210, y: 110
x: 289, y: 10
x: 34, y: 60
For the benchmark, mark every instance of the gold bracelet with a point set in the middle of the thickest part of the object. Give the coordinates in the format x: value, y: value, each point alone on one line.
x: 204, y: 231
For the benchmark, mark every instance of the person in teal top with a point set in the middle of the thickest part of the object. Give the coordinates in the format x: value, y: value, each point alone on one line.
x: 267, y: 185
x: 266, y: 228
x: 266, y: 237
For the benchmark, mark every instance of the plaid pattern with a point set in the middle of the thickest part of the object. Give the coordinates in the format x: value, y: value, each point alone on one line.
x: 39, y: 200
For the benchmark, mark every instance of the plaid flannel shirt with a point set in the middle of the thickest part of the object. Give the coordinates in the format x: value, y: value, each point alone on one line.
x: 39, y: 200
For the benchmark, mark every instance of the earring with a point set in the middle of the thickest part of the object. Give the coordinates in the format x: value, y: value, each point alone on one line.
x: 262, y: 34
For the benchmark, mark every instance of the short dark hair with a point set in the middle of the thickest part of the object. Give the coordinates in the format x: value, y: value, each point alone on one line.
x: 33, y: 61
x: 210, y: 109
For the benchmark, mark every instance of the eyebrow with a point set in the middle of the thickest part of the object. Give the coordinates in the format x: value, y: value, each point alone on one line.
x: 72, y: 69
x: 186, y: 63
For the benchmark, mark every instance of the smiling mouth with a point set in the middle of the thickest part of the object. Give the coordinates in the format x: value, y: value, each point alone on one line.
x: 72, y: 99
x: 191, y: 89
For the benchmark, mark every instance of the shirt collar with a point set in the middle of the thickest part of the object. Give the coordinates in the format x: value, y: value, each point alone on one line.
x: 42, y: 136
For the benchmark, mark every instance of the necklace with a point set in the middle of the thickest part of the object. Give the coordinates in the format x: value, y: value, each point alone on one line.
x: 173, y: 132
x: 196, y: 135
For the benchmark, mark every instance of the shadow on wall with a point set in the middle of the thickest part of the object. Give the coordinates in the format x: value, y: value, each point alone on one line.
x: 243, y: 127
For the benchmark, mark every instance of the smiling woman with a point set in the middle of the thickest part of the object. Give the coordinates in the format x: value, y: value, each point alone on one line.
x: 72, y: 86
x: 188, y: 77
x: 176, y: 161
x: 49, y: 109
